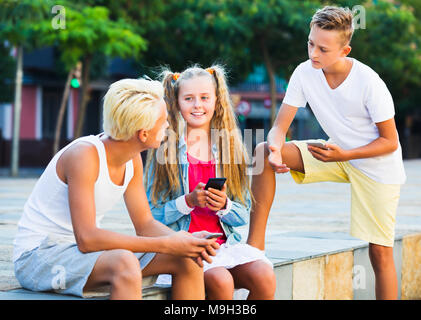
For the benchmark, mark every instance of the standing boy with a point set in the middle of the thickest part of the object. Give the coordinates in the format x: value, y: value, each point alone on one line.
x: 355, y: 109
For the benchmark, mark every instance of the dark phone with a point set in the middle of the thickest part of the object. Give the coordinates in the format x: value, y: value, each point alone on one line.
x: 215, y: 183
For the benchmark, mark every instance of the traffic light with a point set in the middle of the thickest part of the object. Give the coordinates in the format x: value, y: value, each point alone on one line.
x: 75, y: 83
x: 76, y: 80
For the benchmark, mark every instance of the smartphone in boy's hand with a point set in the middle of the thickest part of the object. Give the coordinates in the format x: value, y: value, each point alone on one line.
x: 213, y: 235
x: 318, y: 144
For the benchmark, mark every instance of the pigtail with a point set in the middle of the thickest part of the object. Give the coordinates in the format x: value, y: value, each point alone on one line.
x: 166, y: 172
x: 231, y: 143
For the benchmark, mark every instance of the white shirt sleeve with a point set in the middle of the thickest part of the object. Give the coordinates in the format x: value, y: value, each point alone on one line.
x: 182, y: 206
x: 227, y: 209
x: 295, y: 95
x: 379, y: 101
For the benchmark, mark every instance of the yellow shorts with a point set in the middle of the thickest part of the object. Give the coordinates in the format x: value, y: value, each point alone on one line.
x: 373, y: 204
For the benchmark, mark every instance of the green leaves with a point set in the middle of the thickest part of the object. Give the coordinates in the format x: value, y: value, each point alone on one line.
x: 90, y: 30
x: 17, y: 20
x: 390, y: 45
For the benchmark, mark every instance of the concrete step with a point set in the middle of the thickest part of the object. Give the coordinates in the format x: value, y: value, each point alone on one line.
x: 307, y: 265
x: 150, y: 291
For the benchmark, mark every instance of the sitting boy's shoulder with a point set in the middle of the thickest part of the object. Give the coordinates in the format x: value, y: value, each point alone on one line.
x: 81, y: 150
x: 81, y: 155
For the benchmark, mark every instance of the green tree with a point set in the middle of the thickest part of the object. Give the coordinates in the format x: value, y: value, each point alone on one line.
x: 279, y: 30
x: 182, y: 33
x: 90, y: 32
x: 17, y: 21
x: 391, y: 45
x: 238, y: 33
x: 7, y: 73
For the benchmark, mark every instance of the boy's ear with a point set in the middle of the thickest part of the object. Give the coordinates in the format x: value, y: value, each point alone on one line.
x: 346, y: 50
x: 143, y: 135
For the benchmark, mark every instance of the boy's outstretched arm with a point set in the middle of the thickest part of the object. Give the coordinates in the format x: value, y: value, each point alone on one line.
x: 387, y: 142
x: 276, y: 137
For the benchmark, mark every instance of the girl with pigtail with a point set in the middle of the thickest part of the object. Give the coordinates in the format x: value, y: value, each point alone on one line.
x: 203, y: 141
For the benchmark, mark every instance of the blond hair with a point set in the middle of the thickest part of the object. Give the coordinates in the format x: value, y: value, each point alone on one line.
x: 129, y: 106
x: 335, y: 18
x: 166, y: 176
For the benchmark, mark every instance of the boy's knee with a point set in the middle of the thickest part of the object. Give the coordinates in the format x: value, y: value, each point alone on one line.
x: 220, y: 280
x: 186, y: 265
x: 262, y: 149
x: 126, y: 266
x: 380, y: 256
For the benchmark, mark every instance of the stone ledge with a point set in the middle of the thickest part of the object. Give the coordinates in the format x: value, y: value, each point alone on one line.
x: 411, y: 267
x: 311, y: 265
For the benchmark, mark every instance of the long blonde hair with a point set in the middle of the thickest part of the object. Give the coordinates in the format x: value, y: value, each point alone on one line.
x: 167, y: 173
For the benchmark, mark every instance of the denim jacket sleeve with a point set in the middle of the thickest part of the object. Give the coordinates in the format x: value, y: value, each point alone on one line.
x: 239, y: 213
x: 166, y: 213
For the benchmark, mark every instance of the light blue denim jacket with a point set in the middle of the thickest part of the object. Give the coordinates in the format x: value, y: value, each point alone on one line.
x: 168, y: 214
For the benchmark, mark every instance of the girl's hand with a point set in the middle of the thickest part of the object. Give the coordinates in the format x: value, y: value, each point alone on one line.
x: 197, y: 198
x: 335, y: 153
x: 216, y: 199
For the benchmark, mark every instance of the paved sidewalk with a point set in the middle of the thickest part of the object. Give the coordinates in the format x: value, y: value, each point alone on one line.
x: 298, y: 210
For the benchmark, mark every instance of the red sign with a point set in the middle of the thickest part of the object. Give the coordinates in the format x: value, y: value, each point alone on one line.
x: 267, y: 103
x: 244, y: 108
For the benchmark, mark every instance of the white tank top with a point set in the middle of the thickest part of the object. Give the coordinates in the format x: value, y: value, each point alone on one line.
x: 47, y: 212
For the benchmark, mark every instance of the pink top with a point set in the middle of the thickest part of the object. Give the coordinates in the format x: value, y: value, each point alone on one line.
x: 203, y: 218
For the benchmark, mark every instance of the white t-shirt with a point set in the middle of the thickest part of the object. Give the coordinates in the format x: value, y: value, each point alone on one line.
x: 349, y: 113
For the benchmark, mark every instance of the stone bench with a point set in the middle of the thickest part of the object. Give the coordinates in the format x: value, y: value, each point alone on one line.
x: 309, y: 265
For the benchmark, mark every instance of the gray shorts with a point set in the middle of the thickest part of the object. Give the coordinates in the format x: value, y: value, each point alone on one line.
x: 60, y: 267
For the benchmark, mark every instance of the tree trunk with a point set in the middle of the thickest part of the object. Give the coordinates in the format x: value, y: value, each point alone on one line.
x: 85, y: 97
x: 63, y: 107
x: 17, y: 108
x: 272, y: 80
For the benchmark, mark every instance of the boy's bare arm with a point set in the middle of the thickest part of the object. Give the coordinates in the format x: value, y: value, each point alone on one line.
x: 387, y: 142
x: 138, y: 206
x: 81, y: 171
x: 276, y: 137
x: 145, y: 224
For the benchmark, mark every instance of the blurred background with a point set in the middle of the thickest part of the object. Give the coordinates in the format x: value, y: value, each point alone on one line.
x: 59, y: 57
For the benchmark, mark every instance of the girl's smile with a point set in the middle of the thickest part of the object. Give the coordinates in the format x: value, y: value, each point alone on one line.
x: 198, y: 114
x: 196, y: 100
